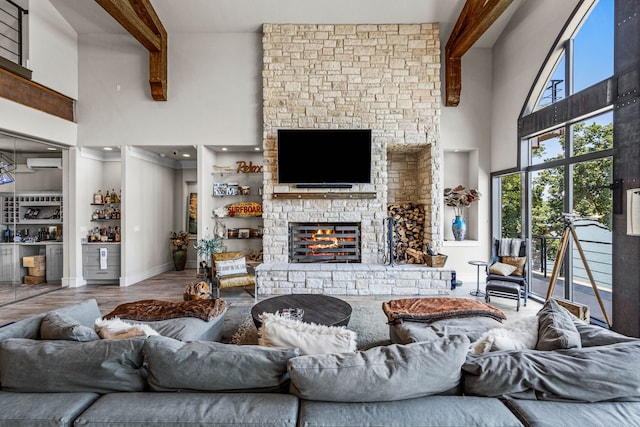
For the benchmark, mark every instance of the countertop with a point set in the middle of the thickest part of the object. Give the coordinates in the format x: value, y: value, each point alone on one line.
x: 45, y: 242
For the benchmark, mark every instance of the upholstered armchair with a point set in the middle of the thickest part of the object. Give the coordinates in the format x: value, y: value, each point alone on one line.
x: 230, y: 270
x: 507, y: 270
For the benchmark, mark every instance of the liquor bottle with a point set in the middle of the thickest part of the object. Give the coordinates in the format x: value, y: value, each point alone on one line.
x: 107, y: 197
x: 98, y: 199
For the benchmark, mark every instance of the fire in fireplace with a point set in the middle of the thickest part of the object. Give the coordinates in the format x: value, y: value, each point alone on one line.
x: 324, y: 242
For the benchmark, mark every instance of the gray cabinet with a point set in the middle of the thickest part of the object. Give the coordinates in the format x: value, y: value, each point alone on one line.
x: 101, y: 270
x: 9, y: 263
x: 54, y: 263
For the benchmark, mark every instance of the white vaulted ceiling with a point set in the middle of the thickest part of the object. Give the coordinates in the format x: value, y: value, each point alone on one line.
x: 247, y: 16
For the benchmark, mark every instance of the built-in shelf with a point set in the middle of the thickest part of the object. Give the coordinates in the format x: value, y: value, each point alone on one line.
x: 460, y: 243
x: 324, y: 195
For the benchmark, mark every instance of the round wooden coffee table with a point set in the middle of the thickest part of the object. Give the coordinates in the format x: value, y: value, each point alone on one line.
x: 319, y: 309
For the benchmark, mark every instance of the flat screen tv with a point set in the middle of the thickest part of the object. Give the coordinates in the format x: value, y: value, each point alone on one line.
x: 324, y: 157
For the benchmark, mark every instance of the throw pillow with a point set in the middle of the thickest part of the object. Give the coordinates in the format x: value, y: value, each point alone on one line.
x: 310, y: 338
x: 211, y: 366
x: 556, y: 329
x: 592, y: 335
x: 59, y: 326
x: 102, y: 366
x: 232, y: 266
x: 502, y: 269
x: 516, y: 335
x: 116, y: 329
x: 383, y: 373
x: 516, y: 261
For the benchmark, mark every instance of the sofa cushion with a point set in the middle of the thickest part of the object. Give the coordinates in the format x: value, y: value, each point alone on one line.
x: 588, y: 374
x: 472, y: 327
x: 556, y: 329
x: 502, y: 269
x: 383, y: 373
x: 211, y: 366
x: 60, y: 326
x: 101, y: 366
x: 188, y: 328
x: 192, y: 409
x: 592, y: 335
x: 309, y: 338
x: 547, y: 414
x: 431, y: 411
x: 84, y: 312
x: 43, y: 409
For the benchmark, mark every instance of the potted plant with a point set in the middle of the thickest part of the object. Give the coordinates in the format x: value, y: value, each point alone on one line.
x: 205, y: 247
x: 180, y: 241
x: 459, y: 198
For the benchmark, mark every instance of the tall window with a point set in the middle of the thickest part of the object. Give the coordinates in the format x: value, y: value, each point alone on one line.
x: 567, y: 180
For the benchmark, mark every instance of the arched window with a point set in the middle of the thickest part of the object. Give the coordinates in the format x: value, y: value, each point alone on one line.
x: 566, y: 131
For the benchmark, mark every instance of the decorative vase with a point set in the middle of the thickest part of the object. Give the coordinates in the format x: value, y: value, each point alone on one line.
x: 179, y: 259
x: 459, y: 228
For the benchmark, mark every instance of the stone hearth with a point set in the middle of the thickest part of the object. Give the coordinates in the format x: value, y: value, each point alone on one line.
x: 380, y: 77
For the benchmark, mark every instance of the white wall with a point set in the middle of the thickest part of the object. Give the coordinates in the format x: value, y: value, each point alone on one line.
x: 53, y: 49
x: 517, y: 57
x: 467, y: 128
x: 148, y: 199
x: 214, y: 91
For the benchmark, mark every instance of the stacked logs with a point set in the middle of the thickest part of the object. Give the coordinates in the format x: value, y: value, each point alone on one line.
x: 408, y: 234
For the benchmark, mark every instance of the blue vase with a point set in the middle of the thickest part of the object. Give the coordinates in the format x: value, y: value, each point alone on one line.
x: 459, y: 228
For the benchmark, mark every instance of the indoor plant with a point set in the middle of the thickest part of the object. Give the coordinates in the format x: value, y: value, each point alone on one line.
x: 459, y: 198
x: 180, y: 241
x: 205, y: 247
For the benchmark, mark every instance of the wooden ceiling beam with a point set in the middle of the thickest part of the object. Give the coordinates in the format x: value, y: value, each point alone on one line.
x: 475, y: 19
x: 139, y: 18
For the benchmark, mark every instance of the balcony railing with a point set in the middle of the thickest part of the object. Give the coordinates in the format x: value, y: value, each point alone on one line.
x: 11, y: 24
x: 598, y: 253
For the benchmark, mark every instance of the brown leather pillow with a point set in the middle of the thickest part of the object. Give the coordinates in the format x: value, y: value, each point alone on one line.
x: 516, y: 261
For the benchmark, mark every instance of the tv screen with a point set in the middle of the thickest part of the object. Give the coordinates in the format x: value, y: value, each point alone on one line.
x: 321, y: 157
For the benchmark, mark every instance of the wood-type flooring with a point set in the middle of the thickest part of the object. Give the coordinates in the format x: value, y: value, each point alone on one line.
x: 169, y: 286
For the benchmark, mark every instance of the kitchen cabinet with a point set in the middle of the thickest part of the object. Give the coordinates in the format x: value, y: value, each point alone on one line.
x: 54, y: 261
x: 95, y: 272
x: 9, y: 263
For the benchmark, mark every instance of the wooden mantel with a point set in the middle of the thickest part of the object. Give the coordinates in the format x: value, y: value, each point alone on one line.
x: 139, y: 18
x: 476, y: 18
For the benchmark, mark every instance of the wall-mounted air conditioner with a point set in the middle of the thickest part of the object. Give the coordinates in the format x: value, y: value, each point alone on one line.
x: 44, y: 163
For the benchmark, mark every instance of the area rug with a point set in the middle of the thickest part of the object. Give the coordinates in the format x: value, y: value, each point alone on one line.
x: 367, y: 321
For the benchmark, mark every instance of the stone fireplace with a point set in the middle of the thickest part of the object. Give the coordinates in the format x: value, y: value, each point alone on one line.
x: 380, y: 77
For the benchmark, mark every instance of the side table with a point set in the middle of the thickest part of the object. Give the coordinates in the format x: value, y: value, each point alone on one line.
x: 478, y: 264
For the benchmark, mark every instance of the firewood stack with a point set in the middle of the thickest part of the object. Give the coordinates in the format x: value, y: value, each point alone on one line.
x: 409, y: 231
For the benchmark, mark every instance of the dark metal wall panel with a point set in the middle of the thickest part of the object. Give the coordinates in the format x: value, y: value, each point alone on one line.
x: 583, y: 103
x: 626, y: 166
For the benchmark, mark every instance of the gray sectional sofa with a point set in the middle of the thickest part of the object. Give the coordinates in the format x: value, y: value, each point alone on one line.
x: 169, y: 381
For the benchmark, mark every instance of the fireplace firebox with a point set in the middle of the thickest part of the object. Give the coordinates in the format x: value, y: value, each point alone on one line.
x: 324, y: 242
